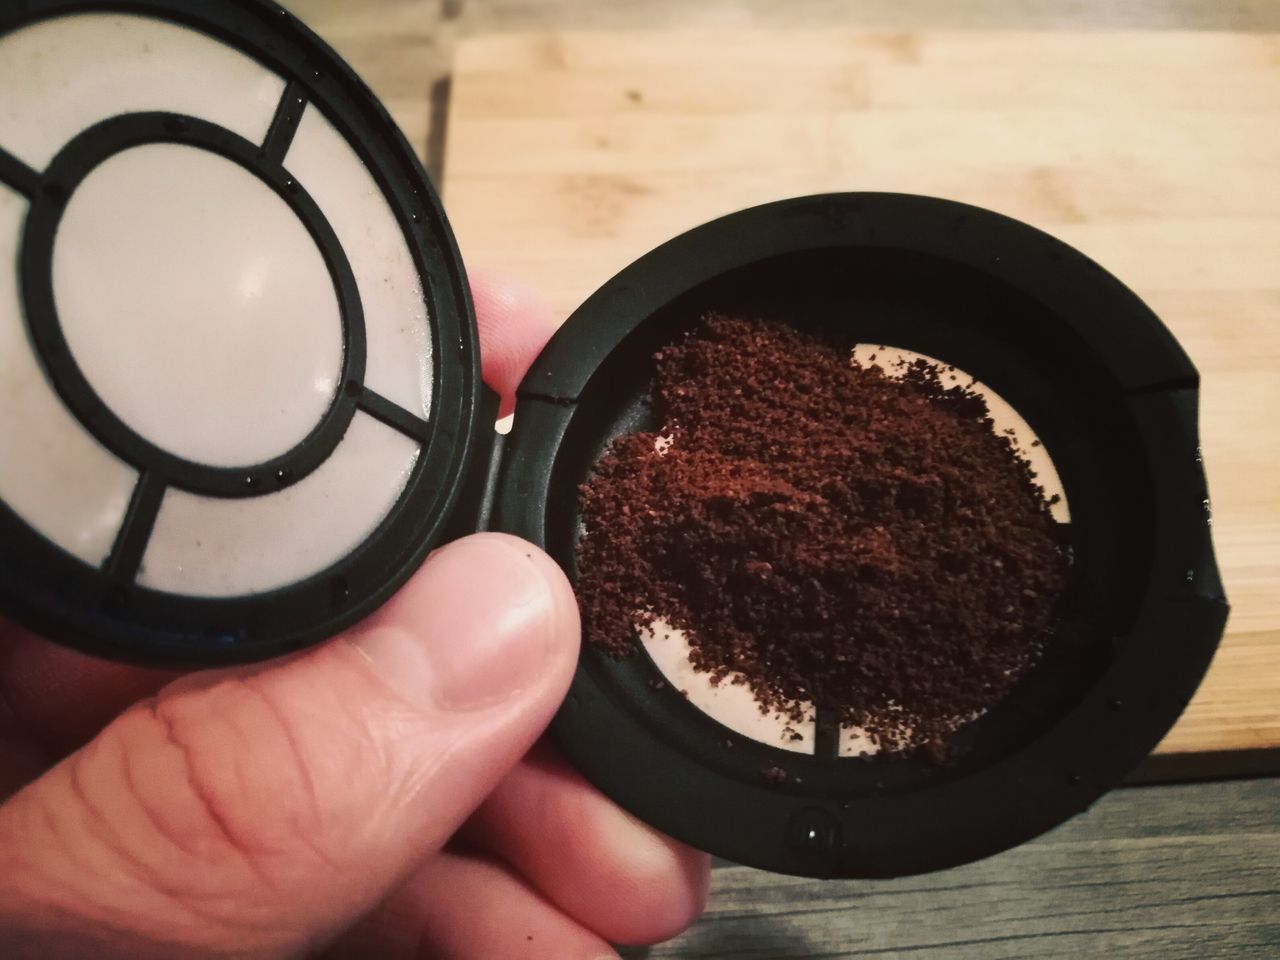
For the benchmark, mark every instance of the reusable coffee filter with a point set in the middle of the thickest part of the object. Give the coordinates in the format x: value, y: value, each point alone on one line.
x: 239, y: 361
x: 1084, y: 366
x: 243, y: 402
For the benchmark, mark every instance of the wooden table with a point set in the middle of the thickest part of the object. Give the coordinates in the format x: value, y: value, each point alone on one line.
x: 1158, y: 871
x: 1166, y: 873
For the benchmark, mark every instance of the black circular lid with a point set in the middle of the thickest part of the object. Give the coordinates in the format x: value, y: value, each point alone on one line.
x: 238, y: 360
x: 1098, y: 380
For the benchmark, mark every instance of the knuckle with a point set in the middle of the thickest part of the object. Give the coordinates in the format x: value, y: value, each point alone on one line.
x: 180, y: 814
x: 241, y: 790
x: 121, y: 842
x: 224, y: 811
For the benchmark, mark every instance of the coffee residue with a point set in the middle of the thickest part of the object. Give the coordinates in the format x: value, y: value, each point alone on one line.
x: 824, y: 531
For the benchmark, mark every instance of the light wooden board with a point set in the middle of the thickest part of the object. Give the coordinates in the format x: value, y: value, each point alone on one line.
x: 1158, y: 154
x: 404, y: 48
x: 1161, y: 873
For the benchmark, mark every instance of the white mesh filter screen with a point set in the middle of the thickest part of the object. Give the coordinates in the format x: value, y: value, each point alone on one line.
x: 53, y: 473
x: 67, y: 73
x: 200, y: 310
x: 210, y: 547
x: 395, y: 313
x: 731, y: 704
x: 197, y: 305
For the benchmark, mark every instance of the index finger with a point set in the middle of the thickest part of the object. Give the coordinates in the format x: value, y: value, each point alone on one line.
x: 515, y: 324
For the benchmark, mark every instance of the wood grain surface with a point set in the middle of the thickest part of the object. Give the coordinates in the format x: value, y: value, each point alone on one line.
x: 570, y: 154
x: 405, y: 48
x: 1166, y: 873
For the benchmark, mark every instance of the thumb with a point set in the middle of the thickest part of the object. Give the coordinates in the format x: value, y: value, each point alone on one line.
x: 257, y: 811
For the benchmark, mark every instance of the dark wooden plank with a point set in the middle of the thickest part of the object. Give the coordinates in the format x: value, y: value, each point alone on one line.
x: 1164, y: 872
x: 1216, y: 765
x: 480, y: 15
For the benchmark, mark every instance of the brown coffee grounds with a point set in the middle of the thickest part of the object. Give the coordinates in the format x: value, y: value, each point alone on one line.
x: 825, y: 532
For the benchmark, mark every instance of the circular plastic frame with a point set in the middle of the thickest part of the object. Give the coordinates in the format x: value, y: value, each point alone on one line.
x: 103, y: 610
x: 1099, y: 380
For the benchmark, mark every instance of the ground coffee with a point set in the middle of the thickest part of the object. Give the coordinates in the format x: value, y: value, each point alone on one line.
x: 824, y: 531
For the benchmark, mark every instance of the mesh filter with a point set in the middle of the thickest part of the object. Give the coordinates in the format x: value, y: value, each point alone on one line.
x: 1080, y: 364
x: 225, y: 283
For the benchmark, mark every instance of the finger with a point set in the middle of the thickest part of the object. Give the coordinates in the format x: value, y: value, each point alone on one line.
x: 465, y: 907
x: 515, y: 324
x: 256, y: 811
x: 598, y: 864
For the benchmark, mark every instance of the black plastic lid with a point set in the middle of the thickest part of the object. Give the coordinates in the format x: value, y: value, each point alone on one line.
x: 1099, y: 380
x: 248, y: 150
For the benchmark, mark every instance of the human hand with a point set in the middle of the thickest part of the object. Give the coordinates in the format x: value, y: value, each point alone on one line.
x: 366, y: 797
